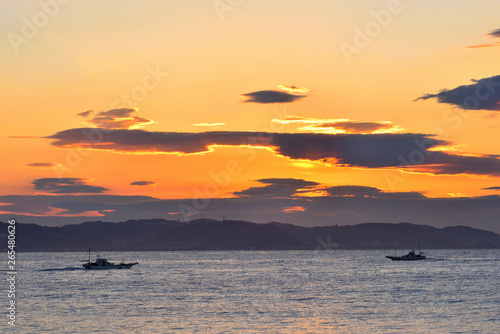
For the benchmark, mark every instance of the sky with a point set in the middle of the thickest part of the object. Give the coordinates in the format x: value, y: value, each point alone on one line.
x: 305, y: 112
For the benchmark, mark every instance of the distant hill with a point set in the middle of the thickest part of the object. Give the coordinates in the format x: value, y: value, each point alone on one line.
x: 385, y: 235
x: 206, y: 234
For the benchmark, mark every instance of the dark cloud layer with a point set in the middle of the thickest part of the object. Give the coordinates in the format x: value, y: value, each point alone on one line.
x: 343, y: 205
x: 494, y: 33
x: 443, y: 163
x: 85, y: 113
x: 65, y: 186
x: 271, y: 96
x: 355, y: 150
x: 371, y: 150
x: 482, y: 94
x: 491, y: 188
x: 363, y: 191
x: 41, y: 164
x: 292, y: 188
x: 282, y: 187
x: 142, y: 183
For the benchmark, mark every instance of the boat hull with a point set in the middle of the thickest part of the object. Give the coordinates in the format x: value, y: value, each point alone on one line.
x: 113, y: 266
x: 402, y: 258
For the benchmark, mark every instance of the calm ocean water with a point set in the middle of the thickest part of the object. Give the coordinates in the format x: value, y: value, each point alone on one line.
x: 456, y: 291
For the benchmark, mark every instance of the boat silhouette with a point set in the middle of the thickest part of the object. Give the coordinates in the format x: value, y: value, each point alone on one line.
x: 102, y: 263
x: 411, y: 256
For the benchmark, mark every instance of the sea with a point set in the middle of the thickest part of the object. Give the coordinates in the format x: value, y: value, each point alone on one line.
x: 315, y: 291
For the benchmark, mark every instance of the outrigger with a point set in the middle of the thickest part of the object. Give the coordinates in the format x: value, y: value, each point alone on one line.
x: 101, y: 263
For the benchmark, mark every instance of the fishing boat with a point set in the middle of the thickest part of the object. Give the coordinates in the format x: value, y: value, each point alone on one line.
x: 411, y: 256
x: 102, y: 263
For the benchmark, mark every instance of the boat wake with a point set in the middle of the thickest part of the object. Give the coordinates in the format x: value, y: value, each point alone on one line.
x: 62, y: 269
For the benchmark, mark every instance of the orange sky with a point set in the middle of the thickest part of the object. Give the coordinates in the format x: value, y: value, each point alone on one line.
x: 338, y: 68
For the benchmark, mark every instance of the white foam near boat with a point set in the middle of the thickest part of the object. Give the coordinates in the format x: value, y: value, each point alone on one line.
x: 102, y: 263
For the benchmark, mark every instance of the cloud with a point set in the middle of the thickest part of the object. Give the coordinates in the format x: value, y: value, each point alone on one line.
x: 22, y: 137
x: 482, y: 94
x: 495, y: 33
x: 362, y: 191
x: 356, y: 127
x: 142, y: 183
x: 443, y: 163
x: 337, y: 126
x: 292, y: 209
x: 291, y: 119
x: 65, y: 186
x: 294, y: 89
x: 85, y: 113
x: 209, y: 124
x: 485, y: 45
x: 54, y: 206
x: 116, y: 119
x: 278, y: 187
x: 41, y: 164
x: 491, y: 188
x: 371, y: 192
x: 120, y: 208
x: 372, y: 150
x: 288, y: 94
x: 414, y: 152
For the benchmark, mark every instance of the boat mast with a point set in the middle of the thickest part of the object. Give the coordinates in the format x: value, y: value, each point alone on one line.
x: 89, y: 254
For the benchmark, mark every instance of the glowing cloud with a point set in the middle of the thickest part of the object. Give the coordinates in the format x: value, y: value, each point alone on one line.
x: 294, y: 89
x: 346, y: 150
x: 292, y: 209
x: 485, y: 45
x: 209, y: 124
x: 116, y: 119
x: 338, y: 126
